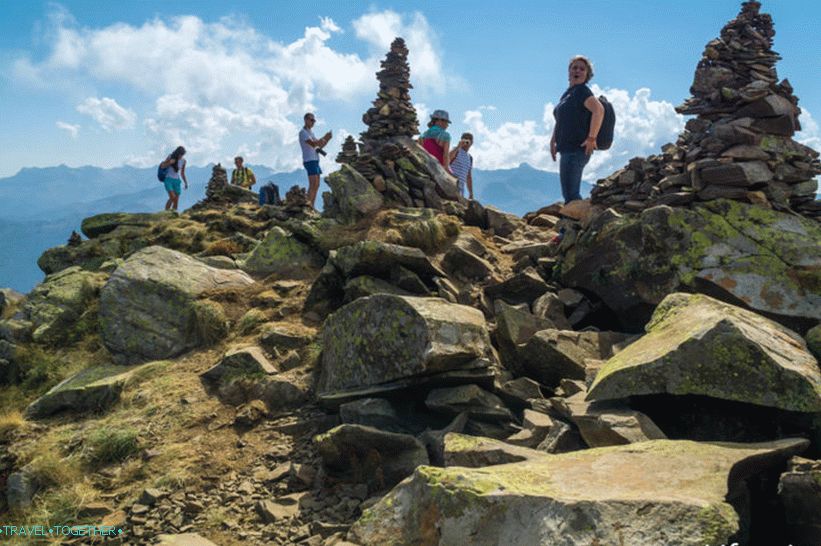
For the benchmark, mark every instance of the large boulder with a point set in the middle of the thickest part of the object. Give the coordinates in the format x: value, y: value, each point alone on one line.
x: 698, y: 345
x: 56, y: 305
x: 380, y: 259
x: 800, y: 491
x: 377, y: 341
x: 658, y: 492
x: 355, y: 197
x: 282, y: 254
x: 150, y: 306
x: 766, y: 260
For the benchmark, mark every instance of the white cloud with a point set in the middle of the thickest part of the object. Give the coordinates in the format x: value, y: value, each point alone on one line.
x: 72, y: 130
x: 107, y: 113
x: 380, y: 28
x: 488, y: 107
x: 642, y: 127
x: 214, y: 87
x: 810, y: 134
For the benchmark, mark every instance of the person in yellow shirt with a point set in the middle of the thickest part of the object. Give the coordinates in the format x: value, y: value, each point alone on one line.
x: 242, y: 176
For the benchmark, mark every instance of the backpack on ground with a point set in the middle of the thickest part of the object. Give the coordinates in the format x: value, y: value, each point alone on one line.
x: 269, y: 194
x: 605, y: 137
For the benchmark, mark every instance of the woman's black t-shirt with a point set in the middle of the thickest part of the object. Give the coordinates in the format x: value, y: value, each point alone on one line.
x: 572, y: 118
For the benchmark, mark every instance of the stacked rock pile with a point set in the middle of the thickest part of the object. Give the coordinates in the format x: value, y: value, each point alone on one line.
x: 392, y: 113
x: 296, y: 199
x: 389, y: 169
x: 348, y: 152
x: 739, y: 146
x: 217, y: 183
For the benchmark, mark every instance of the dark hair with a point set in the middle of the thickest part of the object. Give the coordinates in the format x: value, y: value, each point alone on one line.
x: 178, y: 153
x: 239, y: 157
x: 308, y: 114
x: 467, y: 136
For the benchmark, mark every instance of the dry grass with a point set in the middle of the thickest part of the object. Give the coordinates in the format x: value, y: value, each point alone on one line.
x: 9, y: 422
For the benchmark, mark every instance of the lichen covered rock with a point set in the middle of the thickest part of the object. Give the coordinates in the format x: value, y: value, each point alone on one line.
x: 658, y: 492
x: 377, y: 340
x: 768, y: 260
x: 698, y: 345
x: 282, y: 254
x: 149, y: 308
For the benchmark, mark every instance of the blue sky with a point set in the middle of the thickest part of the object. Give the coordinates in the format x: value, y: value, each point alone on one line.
x: 113, y: 83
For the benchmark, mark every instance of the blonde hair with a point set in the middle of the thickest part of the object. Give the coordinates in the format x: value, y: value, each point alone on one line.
x: 586, y: 61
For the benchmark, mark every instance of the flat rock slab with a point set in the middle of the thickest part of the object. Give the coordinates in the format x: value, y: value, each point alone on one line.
x: 377, y: 340
x: 92, y: 389
x: 658, y: 492
x: 470, y: 399
x: 149, y: 307
x: 100, y: 224
x: 698, y: 345
x: 379, y: 259
x: 477, y: 452
x: 240, y: 361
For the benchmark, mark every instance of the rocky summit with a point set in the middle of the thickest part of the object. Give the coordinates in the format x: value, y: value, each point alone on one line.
x: 408, y: 367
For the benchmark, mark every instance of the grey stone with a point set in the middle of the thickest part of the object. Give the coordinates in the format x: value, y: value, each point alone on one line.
x: 476, y: 452
x: 372, y: 412
x: 281, y: 254
x: 605, y: 496
x: 240, y: 361
x: 149, y: 307
x: 374, y: 341
x: 698, y: 345
x: 365, y: 454
x: 471, y: 399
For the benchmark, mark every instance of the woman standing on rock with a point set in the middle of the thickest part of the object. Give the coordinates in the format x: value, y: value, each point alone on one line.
x: 175, y: 163
x: 578, y: 117
x: 436, y: 140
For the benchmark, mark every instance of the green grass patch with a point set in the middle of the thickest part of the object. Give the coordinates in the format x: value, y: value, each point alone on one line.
x: 111, y: 445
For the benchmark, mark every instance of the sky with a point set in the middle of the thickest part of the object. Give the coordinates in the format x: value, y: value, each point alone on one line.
x: 88, y: 82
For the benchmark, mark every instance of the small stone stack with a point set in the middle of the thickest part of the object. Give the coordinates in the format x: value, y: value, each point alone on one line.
x: 296, y: 199
x: 392, y: 113
x: 739, y: 146
x: 217, y: 183
x: 348, y: 154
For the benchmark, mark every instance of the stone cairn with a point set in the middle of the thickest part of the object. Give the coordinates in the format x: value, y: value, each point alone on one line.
x: 392, y: 113
x: 739, y: 146
x: 296, y: 199
x: 387, y: 157
x: 217, y: 183
x: 348, y: 153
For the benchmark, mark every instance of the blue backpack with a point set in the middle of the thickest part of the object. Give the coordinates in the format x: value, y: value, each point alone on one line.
x: 161, y: 173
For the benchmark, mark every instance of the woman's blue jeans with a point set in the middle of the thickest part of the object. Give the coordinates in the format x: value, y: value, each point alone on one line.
x: 571, y: 165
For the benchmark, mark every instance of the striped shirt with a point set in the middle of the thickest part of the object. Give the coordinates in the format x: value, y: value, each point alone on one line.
x: 242, y: 177
x: 460, y: 166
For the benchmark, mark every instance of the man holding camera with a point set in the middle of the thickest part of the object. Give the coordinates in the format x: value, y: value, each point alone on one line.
x: 311, y: 148
x: 461, y: 164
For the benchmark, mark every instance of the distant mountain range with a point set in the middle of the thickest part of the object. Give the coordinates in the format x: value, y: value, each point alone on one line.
x: 39, y: 207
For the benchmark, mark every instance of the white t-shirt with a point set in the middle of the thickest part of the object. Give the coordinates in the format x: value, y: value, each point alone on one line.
x: 173, y: 173
x: 308, y: 151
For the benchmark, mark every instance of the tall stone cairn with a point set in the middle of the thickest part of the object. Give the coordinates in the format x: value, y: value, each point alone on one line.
x: 740, y: 144
x: 388, y: 167
x: 392, y: 113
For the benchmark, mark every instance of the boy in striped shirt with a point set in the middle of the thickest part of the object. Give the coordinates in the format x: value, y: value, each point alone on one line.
x: 461, y: 164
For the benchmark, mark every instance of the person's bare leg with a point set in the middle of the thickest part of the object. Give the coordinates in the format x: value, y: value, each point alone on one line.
x: 176, y: 202
x: 313, y: 188
x: 170, y: 202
